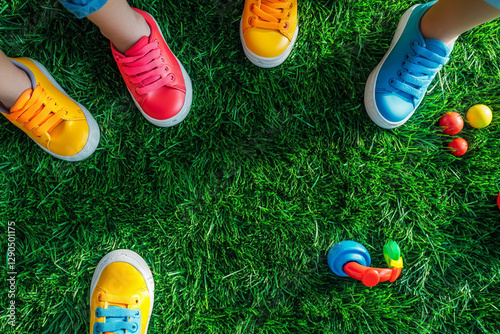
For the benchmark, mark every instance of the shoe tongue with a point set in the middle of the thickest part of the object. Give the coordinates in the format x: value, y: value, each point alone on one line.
x: 438, y: 47
x: 22, y: 100
x: 135, y: 50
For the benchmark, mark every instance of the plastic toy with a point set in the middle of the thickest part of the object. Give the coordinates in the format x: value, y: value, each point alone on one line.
x: 458, y: 147
x: 451, y: 123
x: 350, y: 258
x: 479, y: 116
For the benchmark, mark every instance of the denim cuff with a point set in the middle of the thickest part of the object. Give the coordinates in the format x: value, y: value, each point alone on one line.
x: 494, y: 3
x: 82, y: 8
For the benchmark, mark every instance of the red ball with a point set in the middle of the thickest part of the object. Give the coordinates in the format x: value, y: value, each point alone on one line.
x: 458, y: 147
x: 451, y: 123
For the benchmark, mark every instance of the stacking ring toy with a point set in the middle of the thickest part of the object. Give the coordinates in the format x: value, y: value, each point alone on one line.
x: 350, y: 258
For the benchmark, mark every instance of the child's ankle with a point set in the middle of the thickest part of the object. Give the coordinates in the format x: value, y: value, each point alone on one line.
x: 137, y: 30
x: 430, y: 30
x: 14, y: 89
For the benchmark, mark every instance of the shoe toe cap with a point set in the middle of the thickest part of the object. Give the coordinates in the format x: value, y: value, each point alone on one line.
x: 394, y: 108
x: 266, y: 43
x: 164, y: 103
x: 69, y: 137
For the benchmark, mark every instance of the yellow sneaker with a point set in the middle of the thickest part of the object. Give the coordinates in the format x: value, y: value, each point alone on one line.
x: 121, y: 294
x: 268, y: 31
x: 57, y: 123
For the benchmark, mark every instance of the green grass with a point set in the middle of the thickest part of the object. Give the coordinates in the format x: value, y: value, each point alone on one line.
x: 236, y: 208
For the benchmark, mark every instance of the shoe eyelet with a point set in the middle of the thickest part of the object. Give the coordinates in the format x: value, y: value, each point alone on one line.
x: 250, y: 21
x: 391, y: 81
x: 399, y: 73
x: 286, y: 26
x: 407, y: 56
x: 403, y: 63
x: 171, y: 77
x: 288, y: 15
x: 251, y: 7
x: 291, y: 5
x: 137, y: 313
x: 157, y: 43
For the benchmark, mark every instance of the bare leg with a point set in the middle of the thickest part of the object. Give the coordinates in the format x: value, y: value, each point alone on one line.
x: 13, y: 81
x: 448, y: 19
x: 120, y: 24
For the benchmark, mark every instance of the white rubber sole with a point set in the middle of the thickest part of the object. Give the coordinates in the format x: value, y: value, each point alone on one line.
x: 188, y: 101
x: 369, y: 96
x: 94, y: 132
x: 132, y: 258
x: 264, y: 62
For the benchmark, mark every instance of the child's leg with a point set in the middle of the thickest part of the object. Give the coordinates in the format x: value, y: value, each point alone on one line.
x: 13, y: 81
x: 120, y: 24
x: 448, y: 19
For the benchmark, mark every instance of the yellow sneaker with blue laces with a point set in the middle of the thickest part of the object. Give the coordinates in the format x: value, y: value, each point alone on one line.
x: 121, y: 294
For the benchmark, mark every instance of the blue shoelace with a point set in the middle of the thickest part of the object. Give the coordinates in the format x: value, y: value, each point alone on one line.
x: 418, y: 71
x: 118, y: 320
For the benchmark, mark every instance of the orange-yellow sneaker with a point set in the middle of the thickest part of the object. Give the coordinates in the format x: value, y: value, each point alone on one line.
x: 121, y: 294
x: 268, y: 31
x: 57, y: 123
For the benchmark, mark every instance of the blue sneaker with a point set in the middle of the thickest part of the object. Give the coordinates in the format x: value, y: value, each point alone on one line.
x: 397, y: 85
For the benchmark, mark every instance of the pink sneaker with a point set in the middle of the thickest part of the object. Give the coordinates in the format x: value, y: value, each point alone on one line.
x: 155, y: 78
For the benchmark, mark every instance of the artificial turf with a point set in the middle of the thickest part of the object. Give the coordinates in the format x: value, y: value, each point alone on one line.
x: 236, y: 208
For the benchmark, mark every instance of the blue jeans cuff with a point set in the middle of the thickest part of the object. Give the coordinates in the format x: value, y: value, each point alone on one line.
x: 82, y: 8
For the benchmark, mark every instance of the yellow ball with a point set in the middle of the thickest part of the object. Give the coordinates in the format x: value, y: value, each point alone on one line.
x: 479, y: 116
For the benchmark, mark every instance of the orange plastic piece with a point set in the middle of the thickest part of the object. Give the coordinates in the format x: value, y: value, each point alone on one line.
x: 371, y: 276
